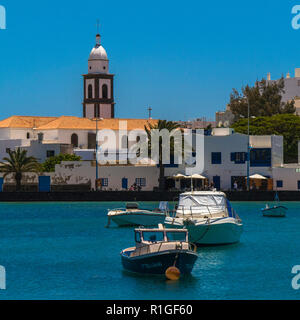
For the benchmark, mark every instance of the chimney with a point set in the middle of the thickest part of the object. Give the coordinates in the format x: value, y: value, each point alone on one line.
x: 269, y: 76
x: 288, y: 75
x: 297, y: 73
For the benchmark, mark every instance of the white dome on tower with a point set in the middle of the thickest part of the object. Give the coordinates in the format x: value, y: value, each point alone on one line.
x: 98, y: 52
x: 98, y: 61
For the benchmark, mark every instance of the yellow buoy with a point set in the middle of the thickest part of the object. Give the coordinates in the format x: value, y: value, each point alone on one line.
x: 172, y: 273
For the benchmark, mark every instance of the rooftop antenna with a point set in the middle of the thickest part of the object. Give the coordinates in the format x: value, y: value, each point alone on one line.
x: 150, y: 109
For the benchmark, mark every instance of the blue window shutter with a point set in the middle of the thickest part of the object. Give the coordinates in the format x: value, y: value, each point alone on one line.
x: 44, y: 184
x: 216, y: 158
x: 279, y: 183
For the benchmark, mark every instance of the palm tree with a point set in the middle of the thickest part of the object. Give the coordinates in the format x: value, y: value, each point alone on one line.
x: 160, y: 125
x: 17, y: 164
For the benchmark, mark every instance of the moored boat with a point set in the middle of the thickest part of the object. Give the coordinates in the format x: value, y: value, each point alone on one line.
x: 159, y: 249
x: 276, y: 211
x: 132, y: 215
x: 208, y: 217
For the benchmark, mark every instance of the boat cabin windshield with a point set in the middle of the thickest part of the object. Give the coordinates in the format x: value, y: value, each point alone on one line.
x: 132, y: 205
x: 160, y: 236
x: 153, y: 236
x: 176, y: 236
x: 202, y: 204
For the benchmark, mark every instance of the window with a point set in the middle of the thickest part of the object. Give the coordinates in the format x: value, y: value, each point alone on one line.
x: 140, y: 182
x: 104, y: 182
x: 279, y: 183
x: 260, y: 157
x: 298, y: 184
x: 104, y: 91
x: 28, y: 135
x: 50, y: 153
x: 153, y: 236
x: 74, y: 140
x: 298, y: 83
x: 216, y: 158
x: 138, y: 237
x: 238, y: 157
x: 7, y: 150
x: 90, y: 91
x: 179, y: 236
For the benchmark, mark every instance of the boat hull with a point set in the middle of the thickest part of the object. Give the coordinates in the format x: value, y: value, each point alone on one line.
x: 219, y: 232
x: 158, y: 263
x: 279, y: 211
x: 137, y: 219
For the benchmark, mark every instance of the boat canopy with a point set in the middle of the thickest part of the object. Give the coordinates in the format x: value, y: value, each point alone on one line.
x: 201, y: 203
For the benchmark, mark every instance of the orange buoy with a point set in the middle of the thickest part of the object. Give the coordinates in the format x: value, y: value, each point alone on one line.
x: 172, y: 273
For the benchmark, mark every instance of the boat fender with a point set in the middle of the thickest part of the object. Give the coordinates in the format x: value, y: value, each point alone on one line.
x: 172, y: 273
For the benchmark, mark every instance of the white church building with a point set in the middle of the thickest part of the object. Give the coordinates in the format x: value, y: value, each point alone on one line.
x: 66, y: 134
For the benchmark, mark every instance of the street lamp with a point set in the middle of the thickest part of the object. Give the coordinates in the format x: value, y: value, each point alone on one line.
x: 97, y: 173
x: 248, y: 148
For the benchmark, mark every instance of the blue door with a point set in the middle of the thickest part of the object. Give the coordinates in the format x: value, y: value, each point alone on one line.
x: 124, y: 183
x: 44, y: 184
x: 217, y: 182
x: 1, y: 184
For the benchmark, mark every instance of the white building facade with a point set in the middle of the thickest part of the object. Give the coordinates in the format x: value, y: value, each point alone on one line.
x: 225, y: 157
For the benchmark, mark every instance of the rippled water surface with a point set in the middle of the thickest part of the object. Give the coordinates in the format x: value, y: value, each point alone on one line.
x: 63, y: 251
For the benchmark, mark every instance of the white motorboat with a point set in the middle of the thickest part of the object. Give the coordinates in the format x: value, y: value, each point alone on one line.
x: 132, y: 215
x: 208, y: 217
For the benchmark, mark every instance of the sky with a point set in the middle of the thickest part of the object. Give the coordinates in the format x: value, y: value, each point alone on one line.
x: 182, y: 58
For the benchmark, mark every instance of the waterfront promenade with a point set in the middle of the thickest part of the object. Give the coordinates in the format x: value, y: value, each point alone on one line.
x: 138, y: 196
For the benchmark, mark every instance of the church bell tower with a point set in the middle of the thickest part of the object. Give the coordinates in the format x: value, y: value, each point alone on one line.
x: 98, y: 99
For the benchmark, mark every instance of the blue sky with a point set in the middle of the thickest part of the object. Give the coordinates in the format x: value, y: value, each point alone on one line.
x: 180, y: 57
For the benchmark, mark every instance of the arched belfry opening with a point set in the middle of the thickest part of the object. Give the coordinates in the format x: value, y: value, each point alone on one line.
x: 105, y: 91
x: 74, y: 140
x: 90, y: 91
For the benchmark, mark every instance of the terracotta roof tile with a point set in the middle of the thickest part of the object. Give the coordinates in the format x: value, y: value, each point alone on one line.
x: 25, y: 122
x: 70, y: 122
x: 65, y: 122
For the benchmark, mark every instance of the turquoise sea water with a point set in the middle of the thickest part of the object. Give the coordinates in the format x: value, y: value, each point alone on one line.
x: 63, y: 251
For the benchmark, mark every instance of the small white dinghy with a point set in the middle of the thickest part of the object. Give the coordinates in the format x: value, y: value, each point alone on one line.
x: 132, y: 215
x: 275, y: 211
